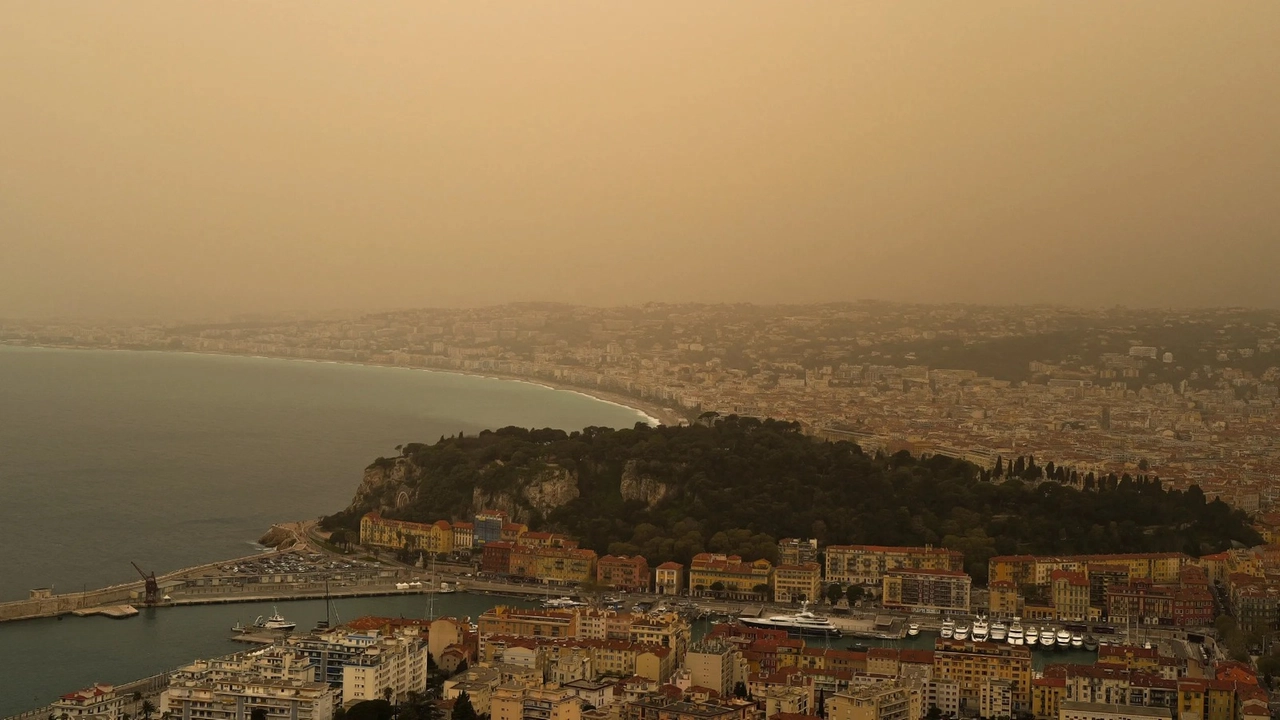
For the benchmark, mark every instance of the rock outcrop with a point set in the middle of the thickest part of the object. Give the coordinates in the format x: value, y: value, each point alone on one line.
x: 549, y: 488
x: 278, y: 538
x: 640, y: 486
x: 387, y: 485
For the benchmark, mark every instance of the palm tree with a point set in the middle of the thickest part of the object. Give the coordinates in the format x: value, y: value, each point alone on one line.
x: 148, y: 707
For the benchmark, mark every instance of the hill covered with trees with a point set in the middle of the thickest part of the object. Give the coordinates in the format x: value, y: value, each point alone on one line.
x: 739, y: 484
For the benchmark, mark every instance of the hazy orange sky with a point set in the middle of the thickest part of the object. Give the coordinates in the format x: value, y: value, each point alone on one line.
x: 170, y: 159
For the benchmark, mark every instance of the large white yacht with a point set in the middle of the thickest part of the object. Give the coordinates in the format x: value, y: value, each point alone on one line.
x: 802, y: 623
x: 999, y: 631
x: 1064, y: 639
x: 962, y: 631
x: 981, y: 629
x: 1016, y: 636
x: 1047, y: 638
x: 948, y: 630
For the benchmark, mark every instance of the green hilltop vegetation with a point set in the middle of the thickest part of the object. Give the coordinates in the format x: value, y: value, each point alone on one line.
x: 736, y: 485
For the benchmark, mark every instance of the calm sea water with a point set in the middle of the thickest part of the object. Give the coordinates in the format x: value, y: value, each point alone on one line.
x: 171, y: 460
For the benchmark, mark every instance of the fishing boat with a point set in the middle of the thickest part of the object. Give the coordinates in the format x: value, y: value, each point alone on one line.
x: 275, y: 621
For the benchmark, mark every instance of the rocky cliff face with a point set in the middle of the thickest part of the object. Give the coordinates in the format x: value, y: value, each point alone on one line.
x: 640, y: 486
x: 544, y: 491
x: 392, y: 484
x: 386, y: 485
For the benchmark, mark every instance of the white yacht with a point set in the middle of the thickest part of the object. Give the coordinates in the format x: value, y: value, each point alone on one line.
x: 1033, y: 635
x: 913, y: 629
x: 999, y: 632
x: 446, y: 587
x: 1077, y: 640
x: 962, y: 631
x: 1047, y: 638
x: 1016, y: 636
x: 948, y: 629
x: 1064, y: 638
x: 275, y: 621
x: 981, y: 629
x: 802, y: 623
x: 561, y: 603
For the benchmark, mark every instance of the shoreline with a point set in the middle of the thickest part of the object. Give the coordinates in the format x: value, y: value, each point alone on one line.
x: 650, y: 412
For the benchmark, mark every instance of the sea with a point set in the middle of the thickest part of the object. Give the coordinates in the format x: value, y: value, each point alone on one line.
x: 169, y: 460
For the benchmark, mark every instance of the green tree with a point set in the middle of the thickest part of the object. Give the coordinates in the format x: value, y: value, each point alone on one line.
x: 855, y: 593
x: 761, y: 589
x: 834, y: 593
x: 462, y: 708
x: 148, y: 707
x: 717, y: 587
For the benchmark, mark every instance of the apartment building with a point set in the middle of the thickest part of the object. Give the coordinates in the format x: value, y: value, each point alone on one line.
x: 971, y: 664
x: 1077, y: 710
x: 867, y: 564
x: 533, y: 623
x: 488, y: 526
x: 893, y: 700
x: 620, y: 572
x: 552, y: 564
x: 1070, y: 593
x: 277, y: 680
x: 668, y: 579
x: 712, y: 663
x: 940, y: 591
x: 797, y: 582
x: 516, y: 702
x: 377, y: 531
x: 399, y: 663
x: 739, y: 580
x: 658, y: 707
x: 794, y: 551
x: 99, y: 702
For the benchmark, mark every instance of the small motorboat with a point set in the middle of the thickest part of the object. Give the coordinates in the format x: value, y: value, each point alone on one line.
x: 1077, y: 640
x: 1090, y: 643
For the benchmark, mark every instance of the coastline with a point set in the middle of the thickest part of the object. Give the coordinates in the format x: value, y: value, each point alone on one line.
x: 651, y: 412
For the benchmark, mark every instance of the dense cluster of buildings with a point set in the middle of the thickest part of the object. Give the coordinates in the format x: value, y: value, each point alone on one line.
x: 1133, y: 588
x: 590, y: 663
